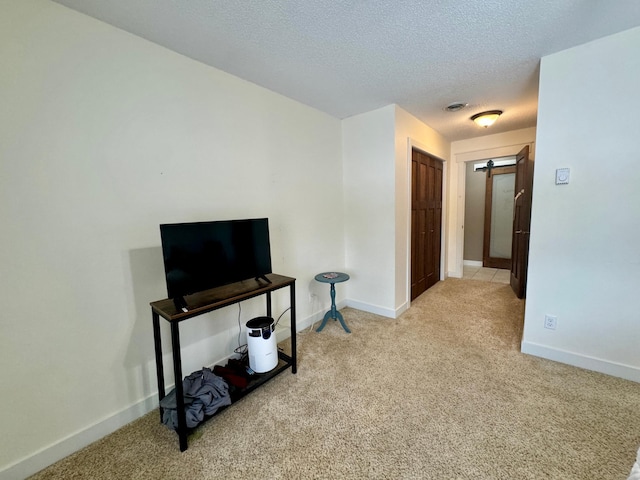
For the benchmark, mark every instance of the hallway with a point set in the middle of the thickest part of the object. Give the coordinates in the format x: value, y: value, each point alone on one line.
x: 495, y: 275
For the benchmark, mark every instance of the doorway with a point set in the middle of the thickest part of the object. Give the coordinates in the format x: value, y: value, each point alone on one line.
x: 520, y: 213
x: 488, y: 210
x: 426, y: 221
x: 462, y: 156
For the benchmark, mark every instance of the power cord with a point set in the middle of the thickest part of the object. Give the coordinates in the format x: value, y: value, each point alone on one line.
x: 242, y: 349
x: 285, y: 311
x: 314, y: 303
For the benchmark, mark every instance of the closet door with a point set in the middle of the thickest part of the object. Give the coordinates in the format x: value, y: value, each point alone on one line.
x: 426, y: 221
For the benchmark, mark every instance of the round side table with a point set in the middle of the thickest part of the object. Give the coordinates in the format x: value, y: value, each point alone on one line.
x: 332, y: 278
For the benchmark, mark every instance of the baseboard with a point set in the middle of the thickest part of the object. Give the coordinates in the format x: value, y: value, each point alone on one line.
x: 401, y: 309
x: 378, y: 310
x: 472, y: 263
x: 607, y: 367
x: 77, y: 440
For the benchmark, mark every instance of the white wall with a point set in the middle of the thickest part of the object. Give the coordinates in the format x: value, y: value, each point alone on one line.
x: 103, y: 136
x: 474, y: 149
x: 584, y: 258
x: 369, y: 211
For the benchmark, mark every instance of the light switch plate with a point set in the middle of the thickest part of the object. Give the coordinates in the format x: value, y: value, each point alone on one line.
x: 562, y: 176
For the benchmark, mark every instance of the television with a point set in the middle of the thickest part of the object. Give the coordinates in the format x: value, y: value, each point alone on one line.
x: 203, y: 255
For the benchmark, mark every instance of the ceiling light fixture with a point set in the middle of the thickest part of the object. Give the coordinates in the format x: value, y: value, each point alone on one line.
x: 486, y: 119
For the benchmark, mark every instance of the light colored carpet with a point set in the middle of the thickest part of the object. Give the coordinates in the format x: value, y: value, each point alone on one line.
x: 440, y: 393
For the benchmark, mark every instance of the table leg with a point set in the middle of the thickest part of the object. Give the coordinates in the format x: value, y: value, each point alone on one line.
x: 324, y: 321
x: 294, y: 355
x: 177, y: 368
x: 344, y: 325
x: 333, y: 312
x: 157, y: 340
x: 268, y: 304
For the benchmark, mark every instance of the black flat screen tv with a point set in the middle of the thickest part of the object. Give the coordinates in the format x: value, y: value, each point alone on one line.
x: 203, y: 255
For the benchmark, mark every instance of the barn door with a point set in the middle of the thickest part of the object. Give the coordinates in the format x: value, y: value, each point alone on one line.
x: 498, y: 217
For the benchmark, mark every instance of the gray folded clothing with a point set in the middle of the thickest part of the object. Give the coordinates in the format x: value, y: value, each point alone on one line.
x: 203, y: 392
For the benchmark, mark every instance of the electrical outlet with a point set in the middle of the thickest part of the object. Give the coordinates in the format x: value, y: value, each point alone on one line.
x: 562, y: 176
x: 550, y: 322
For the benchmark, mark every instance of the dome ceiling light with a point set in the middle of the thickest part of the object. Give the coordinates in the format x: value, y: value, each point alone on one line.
x: 486, y: 119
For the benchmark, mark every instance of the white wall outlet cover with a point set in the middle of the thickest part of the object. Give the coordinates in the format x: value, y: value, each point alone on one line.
x: 562, y: 176
x: 550, y: 322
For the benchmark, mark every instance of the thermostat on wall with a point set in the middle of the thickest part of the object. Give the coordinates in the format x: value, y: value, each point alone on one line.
x: 562, y: 176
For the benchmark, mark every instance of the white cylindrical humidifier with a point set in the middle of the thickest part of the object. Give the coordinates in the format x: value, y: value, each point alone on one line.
x: 261, y: 343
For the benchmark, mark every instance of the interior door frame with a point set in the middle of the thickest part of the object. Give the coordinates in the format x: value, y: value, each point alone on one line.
x: 413, y: 144
x: 456, y: 263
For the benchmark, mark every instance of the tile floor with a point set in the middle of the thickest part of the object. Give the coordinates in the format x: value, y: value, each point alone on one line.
x: 495, y: 275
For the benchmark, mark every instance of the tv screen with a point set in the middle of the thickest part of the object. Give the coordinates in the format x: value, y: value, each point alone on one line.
x: 203, y: 255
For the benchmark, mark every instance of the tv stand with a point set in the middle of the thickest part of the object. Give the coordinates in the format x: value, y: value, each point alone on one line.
x: 208, y: 301
x: 263, y: 277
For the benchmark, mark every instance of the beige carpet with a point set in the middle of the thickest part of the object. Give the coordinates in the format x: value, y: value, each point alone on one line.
x: 440, y: 393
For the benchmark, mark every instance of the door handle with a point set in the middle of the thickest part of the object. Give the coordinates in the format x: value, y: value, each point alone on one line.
x: 515, y: 199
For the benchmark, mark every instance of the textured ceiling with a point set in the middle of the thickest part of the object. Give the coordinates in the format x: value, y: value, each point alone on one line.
x: 348, y: 57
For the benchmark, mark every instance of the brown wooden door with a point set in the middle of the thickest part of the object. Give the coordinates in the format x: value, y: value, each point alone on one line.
x: 426, y: 221
x: 521, y: 222
x: 498, y: 217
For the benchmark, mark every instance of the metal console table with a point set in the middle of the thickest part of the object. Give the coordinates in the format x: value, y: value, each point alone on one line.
x: 208, y: 301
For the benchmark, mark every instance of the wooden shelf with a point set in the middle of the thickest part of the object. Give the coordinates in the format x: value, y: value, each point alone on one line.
x: 215, y: 298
